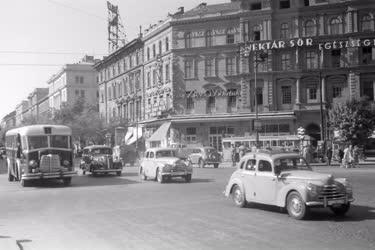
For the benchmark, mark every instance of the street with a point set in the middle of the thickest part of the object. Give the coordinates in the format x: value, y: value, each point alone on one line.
x: 124, y: 212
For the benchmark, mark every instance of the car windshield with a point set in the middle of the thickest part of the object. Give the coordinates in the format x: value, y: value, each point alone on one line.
x: 102, y: 151
x: 166, y: 153
x: 293, y: 163
x: 36, y: 142
x: 60, y: 141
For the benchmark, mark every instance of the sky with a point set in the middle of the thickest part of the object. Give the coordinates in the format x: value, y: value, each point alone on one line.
x: 37, y: 37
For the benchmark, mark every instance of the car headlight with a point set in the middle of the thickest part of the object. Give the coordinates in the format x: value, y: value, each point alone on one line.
x: 167, y: 168
x: 348, y: 187
x: 313, y: 189
x: 33, y: 164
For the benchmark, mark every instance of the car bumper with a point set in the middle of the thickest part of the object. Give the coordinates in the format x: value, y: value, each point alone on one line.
x: 176, y: 174
x: 106, y: 170
x: 329, y: 202
x: 54, y: 175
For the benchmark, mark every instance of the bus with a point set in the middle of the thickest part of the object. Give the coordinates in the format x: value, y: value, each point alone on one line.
x: 39, y: 152
x: 288, y: 142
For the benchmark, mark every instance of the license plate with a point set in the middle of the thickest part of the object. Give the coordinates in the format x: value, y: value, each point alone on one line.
x: 336, y: 202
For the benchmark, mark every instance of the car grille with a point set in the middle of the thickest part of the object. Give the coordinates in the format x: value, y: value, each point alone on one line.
x: 331, y: 192
x: 179, y: 167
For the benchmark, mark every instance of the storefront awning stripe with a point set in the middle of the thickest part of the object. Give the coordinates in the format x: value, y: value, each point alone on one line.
x: 160, y: 133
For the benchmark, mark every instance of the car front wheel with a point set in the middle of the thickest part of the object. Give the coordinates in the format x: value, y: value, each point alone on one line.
x: 341, y: 210
x: 188, y: 178
x: 238, y: 196
x: 143, y: 174
x: 296, y: 207
x: 159, y: 176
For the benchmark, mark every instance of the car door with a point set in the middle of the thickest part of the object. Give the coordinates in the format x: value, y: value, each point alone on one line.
x: 265, y: 182
x: 247, y: 175
x: 150, y: 164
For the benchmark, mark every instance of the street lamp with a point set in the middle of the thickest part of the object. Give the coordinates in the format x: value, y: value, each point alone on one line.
x: 259, y: 57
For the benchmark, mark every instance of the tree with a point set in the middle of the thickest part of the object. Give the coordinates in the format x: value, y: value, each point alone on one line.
x: 353, y: 119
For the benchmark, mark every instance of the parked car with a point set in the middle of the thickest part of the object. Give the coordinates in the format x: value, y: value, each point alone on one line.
x: 203, y: 156
x: 286, y: 180
x: 162, y: 164
x: 98, y: 159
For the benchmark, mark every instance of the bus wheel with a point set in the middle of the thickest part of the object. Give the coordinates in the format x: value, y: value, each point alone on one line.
x: 24, y: 183
x: 67, y: 181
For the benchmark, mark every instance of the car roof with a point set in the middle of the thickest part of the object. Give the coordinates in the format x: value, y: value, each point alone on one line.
x: 40, y: 130
x: 272, y: 155
x: 160, y: 149
x: 96, y: 147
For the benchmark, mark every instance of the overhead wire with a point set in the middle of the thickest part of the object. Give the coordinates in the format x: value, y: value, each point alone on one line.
x: 77, y: 9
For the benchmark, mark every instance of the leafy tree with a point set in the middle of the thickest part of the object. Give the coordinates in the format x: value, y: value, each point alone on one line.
x: 354, y: 119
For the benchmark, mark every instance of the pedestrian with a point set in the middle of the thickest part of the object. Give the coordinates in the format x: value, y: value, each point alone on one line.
x: 348, y: 157
x: 329, y: 155
x: 233, y: 155
x: 355, y: 156
x: 340, y: 154
x: 237, y: 154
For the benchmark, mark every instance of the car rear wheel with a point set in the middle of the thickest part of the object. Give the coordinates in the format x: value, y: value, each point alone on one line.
x: 118, y: 173
x: 159, y: 176
x: 341, y: 210
x: 296, y: 207
x: 201, y: 163
x: 143, y: 174
x: 238, y: 196
x: 216, y: 165
x: 188, y: 178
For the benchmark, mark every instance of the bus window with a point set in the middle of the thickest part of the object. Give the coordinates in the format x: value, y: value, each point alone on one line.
x: 60, y: 141
x: 36, y: 142
x: 274, y: 143
x: 226, y: 145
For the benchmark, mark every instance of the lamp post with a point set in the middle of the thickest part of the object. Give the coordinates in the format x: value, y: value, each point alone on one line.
x: 259, y: 57
x: 322, y: 120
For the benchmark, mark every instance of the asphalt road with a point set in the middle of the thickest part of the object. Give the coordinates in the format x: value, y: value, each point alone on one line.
x: 127, y: 213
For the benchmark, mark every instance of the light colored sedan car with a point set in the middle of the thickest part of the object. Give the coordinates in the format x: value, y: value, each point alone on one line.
x: 285, y: 180
x: 162, y: 164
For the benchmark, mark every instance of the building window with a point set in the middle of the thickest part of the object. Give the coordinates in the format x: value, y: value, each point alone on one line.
x: 131, y: 84
x: 191, y: 135
x: 230, y: 38
x: 259, y: 96
x: 367, y: 55
x: 209, y: 38
x: 336, y: 92
x: 311, y: 60
x: 285, y: 61
x: 367, y: 23
x: 187, y: 40
x: 137, y: 81
x: 189, y: 101
x: 256, y: 6
x: 77, y: 79
x: 284, y: 31
x: 335, y: 57
x: 367, y: 89
x: 166, y: 44
x: 284, y: 4
x: 82, y: 93
x: 160, y: 48
x: 167, y: 73
x: 137, y: 58
x: 335, y: 26
x: 307, y: 2
x: 148, y: 53
x: 148, y: 79
x: 189, y: 69
x: 286, y: 92
x: 229, y: 66
x: 312, y: 94
x: 256, y: 32
x: 211, y: 104
x: 153, y: 51
x: 154, y: 77
x: 209, y: 69
x: 76, y: 92
x: 232, y: 101
x: 310, y: 28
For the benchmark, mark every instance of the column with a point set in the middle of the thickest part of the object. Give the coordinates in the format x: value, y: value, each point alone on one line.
x: 298, y: 90
x: 324, y: 89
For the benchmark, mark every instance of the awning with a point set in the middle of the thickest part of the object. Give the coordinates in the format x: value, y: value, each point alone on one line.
x: 137, y: 134
x: 160, y: 133
x: 128, y: 135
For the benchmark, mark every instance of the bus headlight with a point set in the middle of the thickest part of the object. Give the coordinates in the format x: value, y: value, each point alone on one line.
x: 33, y: 164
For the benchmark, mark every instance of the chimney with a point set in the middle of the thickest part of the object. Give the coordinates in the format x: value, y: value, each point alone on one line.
x: 181, y: 10
x: 202, y: 5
